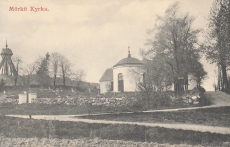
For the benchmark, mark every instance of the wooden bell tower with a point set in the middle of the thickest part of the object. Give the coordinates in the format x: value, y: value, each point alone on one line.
x: 6, y: 66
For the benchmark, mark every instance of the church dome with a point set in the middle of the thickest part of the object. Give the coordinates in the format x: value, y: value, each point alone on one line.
x: 128, y: 61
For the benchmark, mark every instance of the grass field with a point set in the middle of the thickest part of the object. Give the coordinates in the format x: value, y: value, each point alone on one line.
x: 38, y: 129
x: 58, y: 109
x: 29, y: 128
x: 210, y: 116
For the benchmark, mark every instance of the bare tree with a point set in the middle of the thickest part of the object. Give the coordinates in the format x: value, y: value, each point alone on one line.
x: 17, y: 61
x: 54, y: 66
x: 28, y: 71
x: 65, y: 66
x: 78, y: 76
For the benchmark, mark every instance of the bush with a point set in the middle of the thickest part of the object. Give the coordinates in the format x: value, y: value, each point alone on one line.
x: 203, y: 100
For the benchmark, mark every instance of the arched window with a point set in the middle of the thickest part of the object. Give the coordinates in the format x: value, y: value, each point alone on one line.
x: 120, y: 82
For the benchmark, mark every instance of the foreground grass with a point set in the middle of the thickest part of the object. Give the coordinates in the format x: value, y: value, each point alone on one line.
x: 210, y: 116
x: 29, y: 128
x: 58, y: 109
x: 83, y: 142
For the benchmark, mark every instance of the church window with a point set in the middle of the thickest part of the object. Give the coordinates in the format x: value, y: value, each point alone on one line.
x: 120, y: 82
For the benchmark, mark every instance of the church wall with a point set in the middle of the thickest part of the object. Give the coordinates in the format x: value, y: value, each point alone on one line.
x: 104, y: 86
x: 130, y: 79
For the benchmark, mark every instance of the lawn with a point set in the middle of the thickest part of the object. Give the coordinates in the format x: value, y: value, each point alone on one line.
x: 211, y: 116
x: 58, y: 109
x: 30, y: 128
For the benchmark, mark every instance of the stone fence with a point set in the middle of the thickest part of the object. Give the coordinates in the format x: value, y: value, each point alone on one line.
x: 113, y: 102
x: 8, y: 100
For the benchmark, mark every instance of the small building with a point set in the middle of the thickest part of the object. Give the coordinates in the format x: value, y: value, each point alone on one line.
x: 123, y: 76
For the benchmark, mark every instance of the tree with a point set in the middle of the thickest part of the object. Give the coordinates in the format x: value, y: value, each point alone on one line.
x: 27, y: 76
x: 55, y: 60
x: 198, y: 74
x: 17, y: 61
x: 65, y: 68
x: 78, y: 76
x: 2, y: 85
x: 217, y: 47
x: 175, y: 42
x: 43, y: 70
x: 158, y: 73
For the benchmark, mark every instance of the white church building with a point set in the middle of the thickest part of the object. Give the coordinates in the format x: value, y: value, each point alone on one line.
x: 123, y: 76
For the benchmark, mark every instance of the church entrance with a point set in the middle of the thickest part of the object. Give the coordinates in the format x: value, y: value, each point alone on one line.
x: 120, y: 82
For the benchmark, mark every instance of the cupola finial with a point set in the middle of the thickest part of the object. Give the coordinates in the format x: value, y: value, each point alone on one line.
x: 129, y: 55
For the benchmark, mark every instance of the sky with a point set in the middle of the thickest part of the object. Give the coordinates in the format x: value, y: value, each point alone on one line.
x: 93, y: 34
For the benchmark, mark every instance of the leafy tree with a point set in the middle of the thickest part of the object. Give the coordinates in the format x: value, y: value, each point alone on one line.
x: 198, y: 74
x: 43, y: 71
x: 158, y: 73
x: 175, y: 43
x: 217, y: 47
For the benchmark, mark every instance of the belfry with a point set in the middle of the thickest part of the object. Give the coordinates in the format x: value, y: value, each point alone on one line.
x: 6, y: 66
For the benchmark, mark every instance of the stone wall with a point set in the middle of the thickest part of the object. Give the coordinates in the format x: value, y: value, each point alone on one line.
x: 8, y: 100
x: 113, y: 102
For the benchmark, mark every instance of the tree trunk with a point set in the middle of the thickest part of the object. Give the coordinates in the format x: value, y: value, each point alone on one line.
x: 225, y: 85
x: 55, y: 77
x: 63, y: 77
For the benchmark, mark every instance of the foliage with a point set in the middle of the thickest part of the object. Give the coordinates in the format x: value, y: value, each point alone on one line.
x: 217, y: 47
x: 203, y: 100
x: 158, y: 75
x: 43, y: 71
x: 154, y: 100
x: 175, y: 45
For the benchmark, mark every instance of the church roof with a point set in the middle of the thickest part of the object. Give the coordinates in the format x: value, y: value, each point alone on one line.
x: 7, y: 51
x: 107, y: 76
x: 129, y: 61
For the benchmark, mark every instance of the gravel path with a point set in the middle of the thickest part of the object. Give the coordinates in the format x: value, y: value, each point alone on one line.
x: 201, y: 128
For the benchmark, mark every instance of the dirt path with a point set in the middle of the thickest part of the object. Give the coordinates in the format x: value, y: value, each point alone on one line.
x: 201, y: 128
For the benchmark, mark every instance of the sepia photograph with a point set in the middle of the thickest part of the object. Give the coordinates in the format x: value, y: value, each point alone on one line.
x: 114, y: 73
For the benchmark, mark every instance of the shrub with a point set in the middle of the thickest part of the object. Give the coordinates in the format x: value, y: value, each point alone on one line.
x: 203, y: 100
x: 154, y: 100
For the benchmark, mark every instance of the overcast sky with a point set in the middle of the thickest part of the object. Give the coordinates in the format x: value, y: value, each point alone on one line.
x: 93, y: 34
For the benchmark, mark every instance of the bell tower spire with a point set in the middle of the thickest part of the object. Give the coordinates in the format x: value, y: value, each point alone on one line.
x: 129, y: 55
x: 6, y: 44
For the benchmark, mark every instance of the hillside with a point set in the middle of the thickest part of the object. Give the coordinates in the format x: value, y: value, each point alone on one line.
x: 218, y: 98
